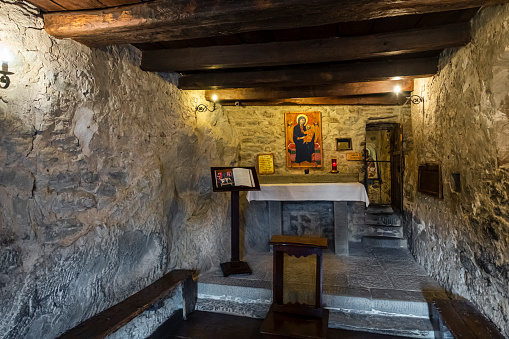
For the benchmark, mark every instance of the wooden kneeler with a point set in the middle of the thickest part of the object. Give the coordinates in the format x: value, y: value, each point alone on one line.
x: 295, y: 320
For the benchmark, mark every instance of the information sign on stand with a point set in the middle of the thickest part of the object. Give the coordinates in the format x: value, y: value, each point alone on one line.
x: 234, y: 180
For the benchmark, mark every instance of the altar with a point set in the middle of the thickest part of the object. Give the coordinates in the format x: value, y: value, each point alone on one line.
x: 340, y: 193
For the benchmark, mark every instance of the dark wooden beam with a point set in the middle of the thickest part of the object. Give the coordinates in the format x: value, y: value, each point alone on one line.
x: 314, y: 76
x: 74, y: 5
x: 165, y: 20
x: 340, y: 90
x: 47, y: 5
x: 80, y: 4
x: 307, y: 51
x: 386, y: 99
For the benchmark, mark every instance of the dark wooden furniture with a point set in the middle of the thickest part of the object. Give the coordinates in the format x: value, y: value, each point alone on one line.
x: 211, y: 325
x: 112, y: 319
x: 235, y: 266
x: 296, y: 320
x: 460, y: 319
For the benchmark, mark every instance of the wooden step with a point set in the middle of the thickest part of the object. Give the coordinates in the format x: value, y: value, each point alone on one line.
x: 284, y: 325
x: 217, y: 325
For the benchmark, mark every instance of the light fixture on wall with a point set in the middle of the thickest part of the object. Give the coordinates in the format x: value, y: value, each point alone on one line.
x: 203, y: 108
x: 415, y: 99
x: 5, y: 57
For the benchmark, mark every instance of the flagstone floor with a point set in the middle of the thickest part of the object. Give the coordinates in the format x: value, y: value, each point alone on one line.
x: 375, y: 273
x: 372, y: 293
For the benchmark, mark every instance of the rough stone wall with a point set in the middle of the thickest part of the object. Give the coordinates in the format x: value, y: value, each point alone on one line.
x: 104, y: 179
x: 463, y: 240
x: 261, y: 130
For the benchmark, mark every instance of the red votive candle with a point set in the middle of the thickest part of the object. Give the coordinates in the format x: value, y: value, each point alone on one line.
x: 334, y: 165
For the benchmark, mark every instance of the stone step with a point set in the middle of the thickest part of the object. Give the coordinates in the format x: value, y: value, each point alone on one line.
x: 383, y: 219
x: 385, y: 231
x: 377, y: 311
x: 255, y: 301
x: 410, y: 327
x: 379, y: 209
x: 249, y: 298
x: 385, y: 242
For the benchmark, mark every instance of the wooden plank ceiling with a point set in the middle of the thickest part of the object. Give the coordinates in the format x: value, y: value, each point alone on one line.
x: 277, y: 52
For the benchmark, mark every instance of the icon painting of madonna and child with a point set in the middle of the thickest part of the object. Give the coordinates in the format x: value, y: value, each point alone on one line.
x: 303, y: 139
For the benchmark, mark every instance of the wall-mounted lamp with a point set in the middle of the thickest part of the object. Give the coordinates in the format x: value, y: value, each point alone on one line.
x: 203, y: 108
x: 415, y: 99
x: 5, y: 57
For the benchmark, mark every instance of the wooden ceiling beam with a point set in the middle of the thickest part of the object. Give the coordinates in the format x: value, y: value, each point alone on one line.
x: 307, y: 51
x: 165, y: 20
x: 340, y: 90
x: 386, y: 99
x: 326, y: 75
x: 47, y: 5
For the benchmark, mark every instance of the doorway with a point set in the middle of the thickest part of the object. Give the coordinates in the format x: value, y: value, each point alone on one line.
x: 384, y: 165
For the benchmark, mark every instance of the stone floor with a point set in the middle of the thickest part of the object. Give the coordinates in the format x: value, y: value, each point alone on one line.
x: 370, y: 282
x: 370, y: 272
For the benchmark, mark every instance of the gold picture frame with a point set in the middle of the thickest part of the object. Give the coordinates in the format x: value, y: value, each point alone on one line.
x: 304, y: 139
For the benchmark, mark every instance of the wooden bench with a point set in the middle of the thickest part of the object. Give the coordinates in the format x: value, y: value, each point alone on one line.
x: 460, y: 319
x: 113, y: 318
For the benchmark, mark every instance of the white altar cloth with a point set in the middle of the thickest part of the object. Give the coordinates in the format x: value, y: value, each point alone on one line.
x: 351, y: 191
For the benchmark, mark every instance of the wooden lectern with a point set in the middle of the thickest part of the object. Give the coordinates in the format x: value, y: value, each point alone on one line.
x: 296, y: 320
x: 222, y: 182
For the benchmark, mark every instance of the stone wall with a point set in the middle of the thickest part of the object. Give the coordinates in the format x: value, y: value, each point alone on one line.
x: 463, y: 240
x: 261, y: 130
x: 104, y: 179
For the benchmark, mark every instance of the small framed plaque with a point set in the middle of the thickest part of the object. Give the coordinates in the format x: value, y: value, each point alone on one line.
x: 265, y: 163
x: 344, y: 144
x: 354, y: 156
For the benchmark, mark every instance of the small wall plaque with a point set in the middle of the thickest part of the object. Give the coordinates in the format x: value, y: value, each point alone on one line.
x: 354, y: 156
x: 266, y: 163
x: 430, y: 180
x: 343, y: 144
